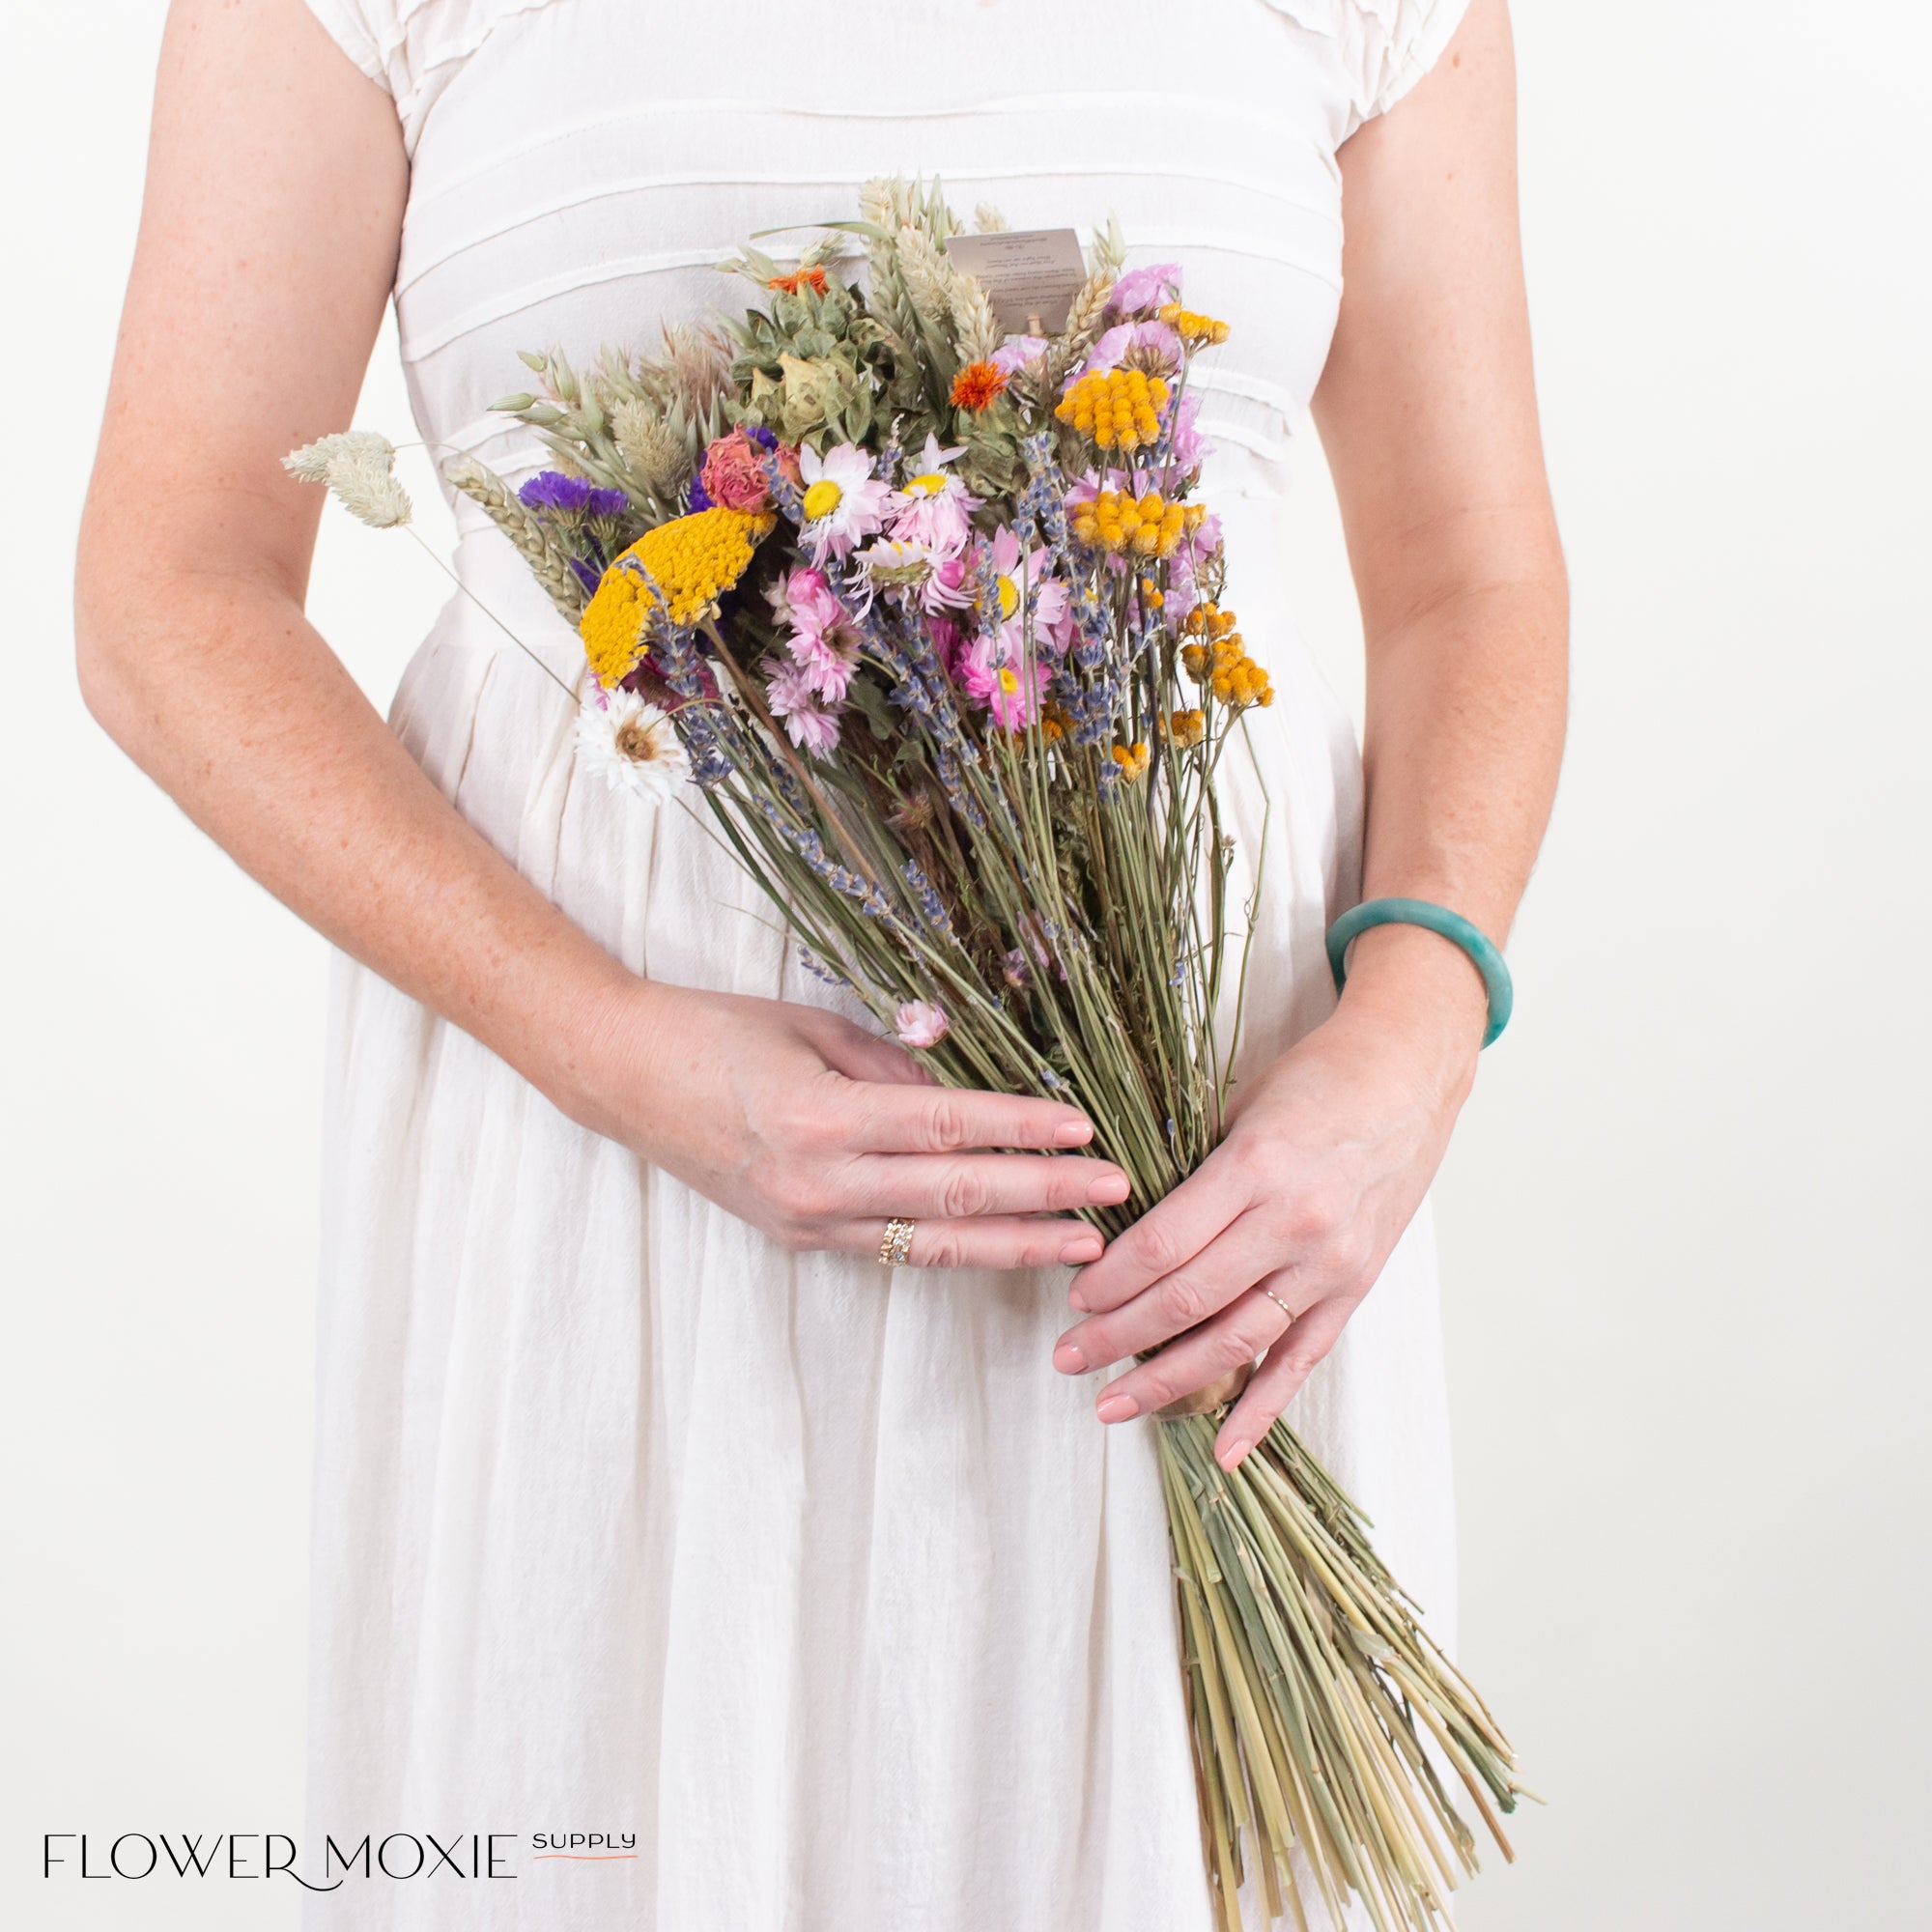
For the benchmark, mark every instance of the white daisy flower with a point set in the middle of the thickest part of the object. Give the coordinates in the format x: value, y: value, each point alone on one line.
x: 631, y: 746
x: 843, y: 500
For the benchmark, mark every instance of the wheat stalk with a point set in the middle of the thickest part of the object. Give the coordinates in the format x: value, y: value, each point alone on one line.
x: 549, y: 565
x: 978, y: 328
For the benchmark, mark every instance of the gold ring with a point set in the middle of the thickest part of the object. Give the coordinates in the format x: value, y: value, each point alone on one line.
x: 1279, y: 1303
x: 897, y: 1243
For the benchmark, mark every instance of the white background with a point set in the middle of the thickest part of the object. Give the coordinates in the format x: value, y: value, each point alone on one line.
x: 1686, y: 1262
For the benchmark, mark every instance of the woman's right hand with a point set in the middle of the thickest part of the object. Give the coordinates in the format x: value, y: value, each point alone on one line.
x: 819, y: 1132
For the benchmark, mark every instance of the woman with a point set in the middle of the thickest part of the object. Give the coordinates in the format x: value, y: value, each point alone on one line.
x: 648, y: 1501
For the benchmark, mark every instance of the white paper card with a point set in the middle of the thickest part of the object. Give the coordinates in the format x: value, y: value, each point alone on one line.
x: 1026, y: 272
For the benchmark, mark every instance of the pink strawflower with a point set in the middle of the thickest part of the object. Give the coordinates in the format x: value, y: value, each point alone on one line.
x: 734, y: 473
x: 934, y: 508
x: 1050, y: 610
x: 821, y: 637
x: 922, y: 1023
x: 810, y: 725
x: 1011, y: 694
x: 946, y: 588
x: 828, y: 656
x: 842, y: 501
x: 797, y: 585
x: 948, y: 643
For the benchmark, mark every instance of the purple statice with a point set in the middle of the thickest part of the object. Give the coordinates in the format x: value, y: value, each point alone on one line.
x: 552, y: 490
x: 607, y: 503
x: 701, y: 497
x: 586, y: 573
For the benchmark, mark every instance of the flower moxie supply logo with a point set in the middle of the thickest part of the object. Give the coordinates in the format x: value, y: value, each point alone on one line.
x: 256, y: 1854
x: 590, y: 1847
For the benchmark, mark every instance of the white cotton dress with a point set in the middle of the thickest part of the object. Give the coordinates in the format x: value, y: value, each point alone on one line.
x: 812, y: 1576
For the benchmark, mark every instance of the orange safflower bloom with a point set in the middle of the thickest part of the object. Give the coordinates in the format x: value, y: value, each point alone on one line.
x: 813, y: 279
x: 976, y: 386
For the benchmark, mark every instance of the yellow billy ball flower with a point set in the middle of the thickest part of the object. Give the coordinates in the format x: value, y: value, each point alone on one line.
x: 694, y: 560
x: 1234, y: 677
x: 1196, y: 331
x: 1119, y: 409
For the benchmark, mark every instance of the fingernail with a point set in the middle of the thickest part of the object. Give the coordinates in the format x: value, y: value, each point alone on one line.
x: 1074, y: 1133
x: 1109, y: 1187
x: 1076, y: 1299
x: 1068, y: 1360
x: 1081, y: 1249
x: 1117, y: 1409
x: 1232, y: 1455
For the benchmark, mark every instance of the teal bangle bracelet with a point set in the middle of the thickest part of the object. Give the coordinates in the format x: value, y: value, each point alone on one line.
x: 1452, y: 925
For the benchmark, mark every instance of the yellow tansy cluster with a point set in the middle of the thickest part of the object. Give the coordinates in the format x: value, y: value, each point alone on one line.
x: 1145, y: 526
x: 1197, y: 332
x: 694, y: 559
x: 1119, y: 409
x: 1217, y: 659
x: 1132, y: 759
x: 1188, y: 728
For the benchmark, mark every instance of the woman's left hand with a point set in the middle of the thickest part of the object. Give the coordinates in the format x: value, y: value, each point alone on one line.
x: 1329, y: 1153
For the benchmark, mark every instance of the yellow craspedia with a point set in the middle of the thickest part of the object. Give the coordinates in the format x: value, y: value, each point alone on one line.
x: 694, y: 559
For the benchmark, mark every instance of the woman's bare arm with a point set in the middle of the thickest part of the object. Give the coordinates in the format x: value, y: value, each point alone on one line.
x: 1428, y: 416
x: 275, y: 188
x: 275, y: 194
x: 1428, y: 413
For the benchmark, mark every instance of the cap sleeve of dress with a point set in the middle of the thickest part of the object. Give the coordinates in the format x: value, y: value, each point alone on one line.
x: 355, y: 26
x: 415, y: 48
x: 1379, y: 49
x: 1415, y: 33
